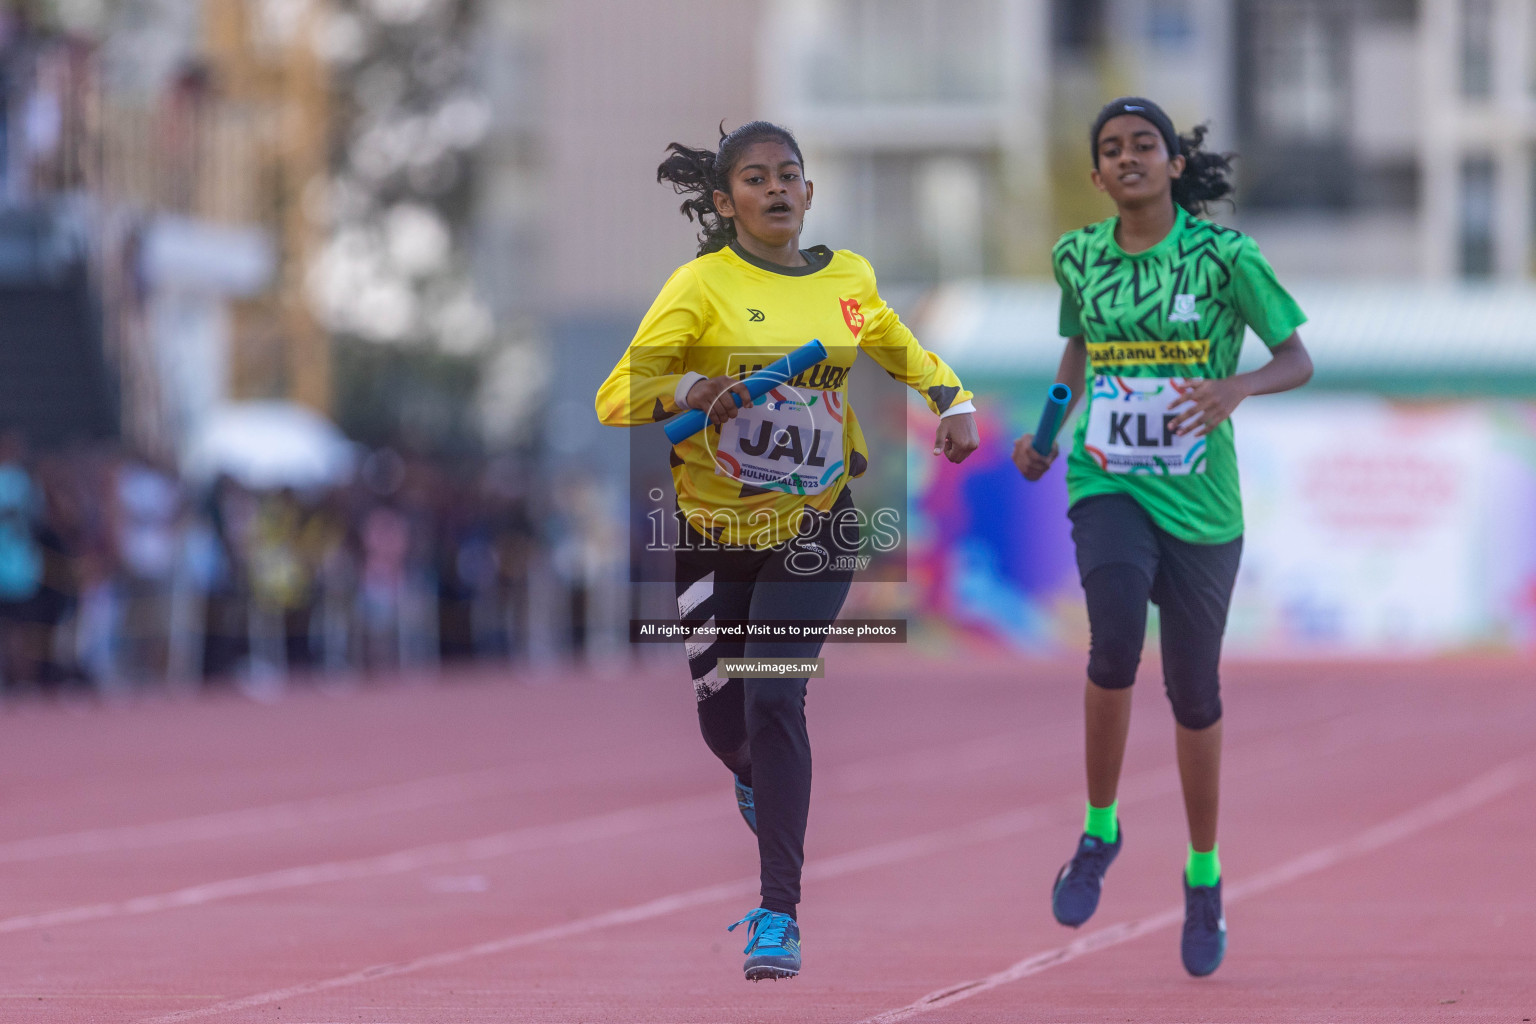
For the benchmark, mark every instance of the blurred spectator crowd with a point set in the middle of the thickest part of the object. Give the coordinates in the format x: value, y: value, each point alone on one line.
x: 114, y: 573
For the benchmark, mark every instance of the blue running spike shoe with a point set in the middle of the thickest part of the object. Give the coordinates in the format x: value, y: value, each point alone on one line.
x: 1205, y: 929
x: 773, y: 950
x: 745, y: 805
x: 1075, y: 896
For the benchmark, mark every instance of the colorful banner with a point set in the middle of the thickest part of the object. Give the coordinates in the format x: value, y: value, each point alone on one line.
x: 1374, y: 529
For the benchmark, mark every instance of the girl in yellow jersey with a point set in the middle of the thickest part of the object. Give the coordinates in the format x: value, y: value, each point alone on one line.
x: 768, y: 527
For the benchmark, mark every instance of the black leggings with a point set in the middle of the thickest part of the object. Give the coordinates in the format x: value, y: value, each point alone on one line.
x: 756, y: 727
x: 1125, y: 560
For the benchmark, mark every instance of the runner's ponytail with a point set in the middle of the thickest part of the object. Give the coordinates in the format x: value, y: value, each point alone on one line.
x: 692, y: 174
x: 699, y: 173
x: 1206, y: 176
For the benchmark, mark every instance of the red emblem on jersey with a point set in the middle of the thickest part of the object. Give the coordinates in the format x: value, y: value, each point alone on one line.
x: 851, y: 315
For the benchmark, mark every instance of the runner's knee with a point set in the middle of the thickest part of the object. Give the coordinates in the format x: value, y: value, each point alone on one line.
x: 774, y: 700
x: 723, y: 724
x: 1196, y: 706
x: 1117, y: 620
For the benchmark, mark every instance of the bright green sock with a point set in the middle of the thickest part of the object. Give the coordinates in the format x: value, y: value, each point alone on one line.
x: 1202, y: 868
x: 1103, y: 822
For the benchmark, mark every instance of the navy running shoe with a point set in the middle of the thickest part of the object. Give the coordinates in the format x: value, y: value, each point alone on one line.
x: 1205, y: 929
x: 773, y: 948
x: 745, y: 805
x: 1075, y: 896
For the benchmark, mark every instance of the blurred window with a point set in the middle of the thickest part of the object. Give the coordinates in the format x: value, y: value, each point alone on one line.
x: 919, y: 217
x: 1299, y: 66
x: 1477, y: 48
x: 951, y: 195
x: 909, y: 51
x: 1531, y: 186
x: 1078, y: 27
x: 1294, y: 97
x: 1390, y: 12
x: 1170, y: 23
x: 1477, y: 212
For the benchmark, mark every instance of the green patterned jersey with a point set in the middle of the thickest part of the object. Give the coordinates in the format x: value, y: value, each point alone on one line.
x: 1153, y: 321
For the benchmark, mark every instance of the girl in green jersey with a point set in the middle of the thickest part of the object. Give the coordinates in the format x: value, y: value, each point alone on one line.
x: 1154, y: 306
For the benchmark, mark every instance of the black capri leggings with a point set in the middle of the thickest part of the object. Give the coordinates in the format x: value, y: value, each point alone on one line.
x: 1125, y: 560
x: 756, y: 727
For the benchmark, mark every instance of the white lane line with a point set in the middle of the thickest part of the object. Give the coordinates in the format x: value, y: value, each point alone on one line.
x: 1000, y: 826
x: 392, y: 799
x: 984, y: 753
x: 420, y: 794
x: 595, y: 828
x: 581, y: 830
x: 1148, y: 785
x: 1469, y: 797
x: 881, y: 854
x: 1335, y: 734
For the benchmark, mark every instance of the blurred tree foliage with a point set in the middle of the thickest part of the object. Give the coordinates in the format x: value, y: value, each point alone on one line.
x: 392, y: 281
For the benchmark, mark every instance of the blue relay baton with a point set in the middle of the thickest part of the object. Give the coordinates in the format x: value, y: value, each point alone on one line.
x: 1050, y: 418
x: 759, y: 384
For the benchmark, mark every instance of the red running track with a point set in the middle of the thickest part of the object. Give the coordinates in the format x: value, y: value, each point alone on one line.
x: 479, y: 850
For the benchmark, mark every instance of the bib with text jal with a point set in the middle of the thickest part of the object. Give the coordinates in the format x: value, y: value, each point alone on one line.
x: 790, y: 440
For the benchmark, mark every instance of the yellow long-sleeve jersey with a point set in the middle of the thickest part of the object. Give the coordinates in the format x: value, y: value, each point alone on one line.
x: 728, y: 313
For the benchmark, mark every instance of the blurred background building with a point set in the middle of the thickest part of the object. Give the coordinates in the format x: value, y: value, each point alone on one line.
x: 1380, y: 138
x: 303, y: 303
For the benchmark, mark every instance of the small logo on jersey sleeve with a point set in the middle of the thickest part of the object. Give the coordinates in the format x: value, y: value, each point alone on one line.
x: 851, y: 315
x: 1184, y: 311
x: 755, y: 315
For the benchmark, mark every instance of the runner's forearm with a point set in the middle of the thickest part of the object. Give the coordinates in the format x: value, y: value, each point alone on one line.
x: 1073, y: 370
x: 1289, y: 368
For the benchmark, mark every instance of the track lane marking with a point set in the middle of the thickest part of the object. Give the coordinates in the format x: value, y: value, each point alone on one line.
x: 1469, y: 797
x: 880, y: 854
x: 1345, y: 732
x: 989, y: 752
x: 611, y: 825
x: 970, y: 756
x: 464, y: 787
x: 416, y: 794
x: 1336, y: 733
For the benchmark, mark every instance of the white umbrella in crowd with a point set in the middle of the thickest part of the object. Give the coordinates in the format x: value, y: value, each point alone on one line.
x: 269, y: 444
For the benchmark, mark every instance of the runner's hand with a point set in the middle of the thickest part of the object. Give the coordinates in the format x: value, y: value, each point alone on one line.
x: 710, y: 395
x: 957, y: 437
x: 1207, y: 405
x: 1030, y: 462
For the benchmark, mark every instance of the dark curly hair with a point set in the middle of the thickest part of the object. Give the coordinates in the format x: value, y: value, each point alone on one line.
x: 1206, y: 175
x: 698, y: 173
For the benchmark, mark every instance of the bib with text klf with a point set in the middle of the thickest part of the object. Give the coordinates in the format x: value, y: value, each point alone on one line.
x: 790, y: 440
x: 1130, y: 427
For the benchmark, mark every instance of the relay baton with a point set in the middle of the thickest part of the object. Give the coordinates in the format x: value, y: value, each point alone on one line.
x: 1050, y: 418
x: 759, y: 384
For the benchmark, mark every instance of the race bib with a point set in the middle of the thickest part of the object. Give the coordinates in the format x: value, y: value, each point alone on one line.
x: 1130, y: 427
x: 790, y: 440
